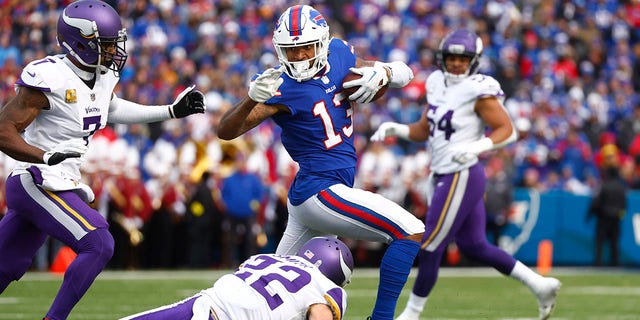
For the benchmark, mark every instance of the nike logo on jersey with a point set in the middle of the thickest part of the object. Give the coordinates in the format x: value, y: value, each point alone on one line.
x: 31, y: 74
x: 439, y: 184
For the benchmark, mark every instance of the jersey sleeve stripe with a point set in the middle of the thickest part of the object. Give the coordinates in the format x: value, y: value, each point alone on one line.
x: 22, y: 83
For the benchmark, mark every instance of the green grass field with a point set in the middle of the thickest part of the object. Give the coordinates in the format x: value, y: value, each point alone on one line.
x: 461, y: 293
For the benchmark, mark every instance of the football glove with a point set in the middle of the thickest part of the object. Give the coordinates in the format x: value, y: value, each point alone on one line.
x: 390, y: 129
x: 189, y: 101
x: 85, y: 193
x: 69, y: 149
x: 373, y: 78
x: 265, y: 85
x: 469, y: 152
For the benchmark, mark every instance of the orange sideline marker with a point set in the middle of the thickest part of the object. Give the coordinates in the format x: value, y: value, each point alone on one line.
x: 63, y: 259
x: 545, y: 257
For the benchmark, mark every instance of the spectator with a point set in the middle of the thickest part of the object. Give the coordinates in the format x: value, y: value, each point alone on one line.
x: 609, y: 206
x: 242, y: 194
x: 203, y: 223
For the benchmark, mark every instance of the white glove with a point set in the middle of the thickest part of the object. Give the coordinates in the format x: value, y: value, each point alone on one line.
x: 390, y: 129
x: 266, y: 85
x: 74, y: 148
x: 85, y: 193
x: 373, y: 78
x: 465, y: 153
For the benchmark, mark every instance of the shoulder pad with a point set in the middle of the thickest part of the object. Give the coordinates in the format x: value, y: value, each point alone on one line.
x: 433, y: 80
x: 484, y: 85
x: 42, y: 74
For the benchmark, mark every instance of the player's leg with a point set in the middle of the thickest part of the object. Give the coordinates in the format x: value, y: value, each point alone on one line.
x: 453, y: 194
x: 472, y: 240
x: 296, y: 233
x: 363, y: 215
x: 428, y: 268
x: 19, y: 241
x: 64, y: 216
x: 183, y: 310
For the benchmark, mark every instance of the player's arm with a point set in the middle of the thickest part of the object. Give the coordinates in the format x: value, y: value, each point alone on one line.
x: 15, y: 116
x: 417, y: 131
x: 502, y: 132
x: 252, y: 110
x: 375, y: 75
x: 495, y: 116
x: 244, y: 116
x: 189, y: 101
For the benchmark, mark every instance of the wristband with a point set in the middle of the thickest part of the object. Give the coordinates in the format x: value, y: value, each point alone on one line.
x: 399, y: 73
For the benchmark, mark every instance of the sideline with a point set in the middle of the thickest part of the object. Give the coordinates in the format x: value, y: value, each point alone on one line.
x: 197, y: 274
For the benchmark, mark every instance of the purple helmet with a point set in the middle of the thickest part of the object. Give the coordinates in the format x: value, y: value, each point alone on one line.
x: 460, y: 42
x: 331, y: 256
x: 86, y: 28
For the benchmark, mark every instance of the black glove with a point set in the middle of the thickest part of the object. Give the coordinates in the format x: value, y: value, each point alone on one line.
x: 68, y: 149
x: 189, y: 101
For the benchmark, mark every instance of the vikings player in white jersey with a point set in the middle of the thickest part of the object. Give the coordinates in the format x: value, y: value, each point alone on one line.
x: 304, y: 97
x: 270, y: 286
x: 61, y: 102
x: 460, y: 104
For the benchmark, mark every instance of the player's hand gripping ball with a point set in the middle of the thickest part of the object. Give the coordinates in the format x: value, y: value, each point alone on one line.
x: 351, y: 90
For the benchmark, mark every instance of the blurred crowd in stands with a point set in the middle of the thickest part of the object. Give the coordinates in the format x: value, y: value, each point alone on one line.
x: 177, y: 196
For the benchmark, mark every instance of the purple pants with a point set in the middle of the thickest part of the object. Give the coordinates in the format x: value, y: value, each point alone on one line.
x: 35, y: 213
x: 457, y: 213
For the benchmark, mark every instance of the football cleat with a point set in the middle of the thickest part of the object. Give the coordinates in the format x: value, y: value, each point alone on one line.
x: 408, y: 315
x: 546, y: 296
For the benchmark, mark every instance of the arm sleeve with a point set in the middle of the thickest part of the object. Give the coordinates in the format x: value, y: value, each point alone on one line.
x: 127, y: 112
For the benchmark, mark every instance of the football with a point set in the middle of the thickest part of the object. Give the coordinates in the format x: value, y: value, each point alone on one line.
x: 349, y: 91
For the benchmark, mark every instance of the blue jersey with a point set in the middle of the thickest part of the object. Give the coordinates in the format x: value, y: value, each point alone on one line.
x: 318, y: 134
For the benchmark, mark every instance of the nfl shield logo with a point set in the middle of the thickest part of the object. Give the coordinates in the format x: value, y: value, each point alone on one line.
x: 93, y: 96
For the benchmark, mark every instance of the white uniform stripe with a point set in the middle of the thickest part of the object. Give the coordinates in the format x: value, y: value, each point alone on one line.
x: 452, y: 211
x: 58, y: 214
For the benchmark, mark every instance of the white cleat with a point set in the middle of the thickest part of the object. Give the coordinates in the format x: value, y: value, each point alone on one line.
x: 408, y: 315
x: 546, y: 296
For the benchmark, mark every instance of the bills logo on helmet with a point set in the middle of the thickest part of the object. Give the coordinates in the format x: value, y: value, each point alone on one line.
x: 317, y: 18
x: 279, y: 22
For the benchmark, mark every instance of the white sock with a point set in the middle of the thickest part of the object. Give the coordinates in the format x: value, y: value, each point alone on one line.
x: 416, y: 303
x: 525, y: 275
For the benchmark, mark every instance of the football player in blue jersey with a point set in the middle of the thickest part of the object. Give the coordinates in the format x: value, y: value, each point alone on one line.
x: 61, y: 102
x: 304, y: 96
x: 461, y: 102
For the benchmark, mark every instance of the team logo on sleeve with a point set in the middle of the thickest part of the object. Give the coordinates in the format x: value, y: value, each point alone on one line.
x: 70, y: 96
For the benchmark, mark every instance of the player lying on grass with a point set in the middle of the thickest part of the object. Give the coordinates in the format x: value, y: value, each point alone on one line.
x: 269, y: 286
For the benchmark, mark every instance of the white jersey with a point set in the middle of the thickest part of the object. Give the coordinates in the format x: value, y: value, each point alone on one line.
x: 269, y: 286
x: 452, y: 119
x: 76, y: 112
